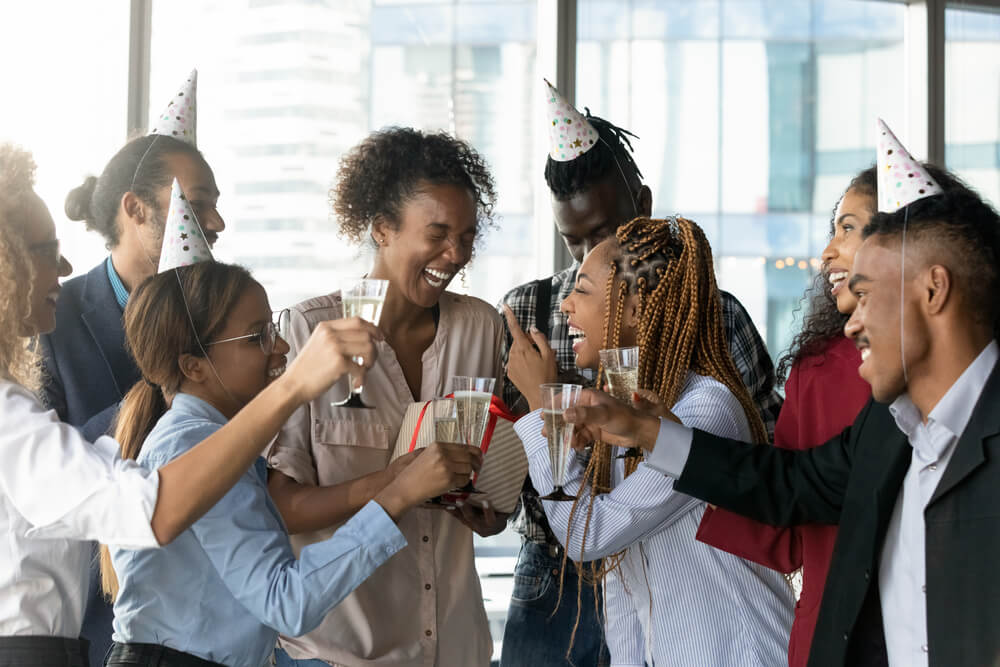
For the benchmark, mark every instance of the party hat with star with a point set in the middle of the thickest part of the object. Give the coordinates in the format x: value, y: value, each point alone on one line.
x: 901, y: 179
x: 180, y: 118
x: 183, y: 240
x: 570, y: 133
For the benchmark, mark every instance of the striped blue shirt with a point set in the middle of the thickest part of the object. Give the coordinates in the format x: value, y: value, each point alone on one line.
x: 227, y: 586
x: 117, y: 286
x: 674, y: 601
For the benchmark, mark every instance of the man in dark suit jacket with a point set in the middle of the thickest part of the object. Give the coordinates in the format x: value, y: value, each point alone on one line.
x: 915, y: 486
x: 87, y: 368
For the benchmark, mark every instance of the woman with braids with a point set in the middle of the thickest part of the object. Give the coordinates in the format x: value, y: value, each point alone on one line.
x: 422, y: 200
x: 57, y: 489
x: 669, y: 599
x: 823, y: 396
x: 204, y: 339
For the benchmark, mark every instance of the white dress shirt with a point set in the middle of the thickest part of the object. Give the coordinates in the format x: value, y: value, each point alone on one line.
x: 56, y: 490
x: 674, y: 601
x: 902, y: 567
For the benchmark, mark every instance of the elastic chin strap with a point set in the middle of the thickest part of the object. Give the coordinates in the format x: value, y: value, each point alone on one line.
x: 621, y: 172
x: 902, y: 286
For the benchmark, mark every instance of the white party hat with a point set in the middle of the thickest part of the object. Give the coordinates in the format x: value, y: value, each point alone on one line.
x: 901, y: 179
x: 570, y: 133
x: 183, y: 240
x: 180, y: 118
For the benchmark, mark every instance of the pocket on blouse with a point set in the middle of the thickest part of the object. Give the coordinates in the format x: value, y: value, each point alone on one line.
x: 348, y: 446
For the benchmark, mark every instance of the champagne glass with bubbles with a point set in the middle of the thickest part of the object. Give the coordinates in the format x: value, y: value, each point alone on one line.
x: 445, y: 414
x: 362, y: 298
x: 621, y: 370
x: 472, y: 408
x: 555, y: 399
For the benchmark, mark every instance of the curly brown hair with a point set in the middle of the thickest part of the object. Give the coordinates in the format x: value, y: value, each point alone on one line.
x: 377, y: 177
x: 18, y: 360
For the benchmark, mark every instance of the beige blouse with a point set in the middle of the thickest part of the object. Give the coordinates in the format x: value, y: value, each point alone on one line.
x: 424, y: 606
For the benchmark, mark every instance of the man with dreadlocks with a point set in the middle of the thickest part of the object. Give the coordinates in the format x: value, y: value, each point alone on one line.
x: 670, y: 599
x: 595, y: 188
x: 914, y: 482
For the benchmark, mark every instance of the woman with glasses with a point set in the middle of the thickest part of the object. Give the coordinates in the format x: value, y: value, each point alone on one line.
x: 203, y: 337
x: 58, y: 489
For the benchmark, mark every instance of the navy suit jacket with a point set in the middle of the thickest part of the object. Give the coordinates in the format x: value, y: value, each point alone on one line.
x: 87, y: 373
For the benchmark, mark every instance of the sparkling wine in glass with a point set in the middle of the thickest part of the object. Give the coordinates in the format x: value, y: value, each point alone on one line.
x: 362, y: 298
x: 555, y: 399
x: 472, y: 407
x: 621, y: 369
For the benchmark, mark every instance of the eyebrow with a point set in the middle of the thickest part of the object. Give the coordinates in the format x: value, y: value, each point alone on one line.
x: 205, y: 191
x: 845, y: 216
x: 857, y: 278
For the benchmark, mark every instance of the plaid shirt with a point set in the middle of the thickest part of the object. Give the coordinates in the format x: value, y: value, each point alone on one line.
x: 745, y: 344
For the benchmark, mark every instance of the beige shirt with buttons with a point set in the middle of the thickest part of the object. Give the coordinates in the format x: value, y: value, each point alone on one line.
x: 424, y: 606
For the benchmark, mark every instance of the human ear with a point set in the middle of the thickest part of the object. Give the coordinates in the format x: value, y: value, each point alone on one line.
x: 380, y: 232
x: 192, y: 367
x: 630, y: 312
x: 644, y: 201
x: 936, y: 285
x: 134, y: 209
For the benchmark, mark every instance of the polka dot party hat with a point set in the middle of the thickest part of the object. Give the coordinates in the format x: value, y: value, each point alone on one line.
x: 183, y: 241
x: 570, y: 133
x: 901, y: 179
x: 180, y: 117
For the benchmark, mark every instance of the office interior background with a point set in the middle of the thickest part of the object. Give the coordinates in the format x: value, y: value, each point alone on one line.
x: 751, y: 118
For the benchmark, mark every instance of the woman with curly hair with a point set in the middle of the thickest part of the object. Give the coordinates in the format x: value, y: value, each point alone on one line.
x: 58, y: 489
x: 823, y: 396
x: 422, y: 200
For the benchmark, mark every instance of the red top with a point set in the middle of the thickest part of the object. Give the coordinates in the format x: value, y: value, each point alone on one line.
x: 823, y: 396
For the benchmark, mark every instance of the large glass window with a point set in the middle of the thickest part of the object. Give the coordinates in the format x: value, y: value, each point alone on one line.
x: 63, y: 83
x: 972, y: 96
x: 753, y: 115
x: 287, y: 86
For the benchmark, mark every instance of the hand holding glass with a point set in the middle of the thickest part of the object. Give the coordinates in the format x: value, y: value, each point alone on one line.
x: 362, y: 298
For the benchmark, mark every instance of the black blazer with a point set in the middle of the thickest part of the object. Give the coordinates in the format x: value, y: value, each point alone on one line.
x: 854, y: 480
x: 87, y: 373
x: 87, y: 368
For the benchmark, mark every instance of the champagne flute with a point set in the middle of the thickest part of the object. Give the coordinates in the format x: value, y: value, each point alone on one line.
x: 445, y: 415
x: 472, y: 402
x: 555, y: 399
x: 361, y: 298
x: 621, y: 369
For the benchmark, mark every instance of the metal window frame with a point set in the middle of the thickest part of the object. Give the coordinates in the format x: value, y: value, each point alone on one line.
x: 557, y: 41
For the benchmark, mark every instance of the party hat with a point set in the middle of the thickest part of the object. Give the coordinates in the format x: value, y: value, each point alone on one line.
x: 180, y: 118
x: 901, y: 179
x: 570, y: 133
x: 183, y: 240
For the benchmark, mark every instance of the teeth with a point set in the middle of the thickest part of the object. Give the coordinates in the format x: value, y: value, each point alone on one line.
x: 276, y: 372
x: 575, y: 333
x: 440, y: 275
x: 837, y: 277
x: 864, y: 353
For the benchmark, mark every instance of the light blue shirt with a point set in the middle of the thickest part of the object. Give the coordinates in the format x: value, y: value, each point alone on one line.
x: 117, y: 286
x: 673, y: 600
x: 227, y: 586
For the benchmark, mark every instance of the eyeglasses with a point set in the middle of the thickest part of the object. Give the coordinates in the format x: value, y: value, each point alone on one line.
x: 48, y: 250
x: 267, y: 336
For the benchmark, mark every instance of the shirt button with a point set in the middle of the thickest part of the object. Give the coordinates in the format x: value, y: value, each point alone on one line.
x: 923, y: 589
x: 428, y: 633
x: 845, y: 636
x: 924, y: 648
x: 427, y: 587
x: 426, y: 538
x: 932, y: 467
x: 555, y: 572
x: 868, y: 575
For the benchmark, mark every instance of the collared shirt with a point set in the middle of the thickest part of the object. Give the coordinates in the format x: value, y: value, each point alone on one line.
x: 424, y: 607
x: 117, y: 286
x: 55, y: 490
x: 745, y: 344
x: 226, y: 585
x: 902, y: 570
x: 675, y: 601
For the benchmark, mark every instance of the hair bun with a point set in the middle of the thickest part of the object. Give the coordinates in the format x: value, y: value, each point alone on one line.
x: 78, y: 200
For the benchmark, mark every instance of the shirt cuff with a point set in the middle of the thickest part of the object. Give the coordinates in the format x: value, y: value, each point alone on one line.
x: 384, y: 532
x: 529, y: 429
x: 673, y: 445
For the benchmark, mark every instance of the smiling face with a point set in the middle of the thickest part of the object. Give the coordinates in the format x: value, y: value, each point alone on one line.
x: 587, y: 306
x: 47, y: 264
x: 241, y: 364
x: 433, y: 241
x: 875, y: 324
x: 853, y: 214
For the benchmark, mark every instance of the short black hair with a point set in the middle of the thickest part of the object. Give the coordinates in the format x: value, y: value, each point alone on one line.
x: 378, y: 176
x: 964, y: 231
x: 611, y: 153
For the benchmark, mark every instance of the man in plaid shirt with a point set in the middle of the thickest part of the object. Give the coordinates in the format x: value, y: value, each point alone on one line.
x: 592, y: 195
